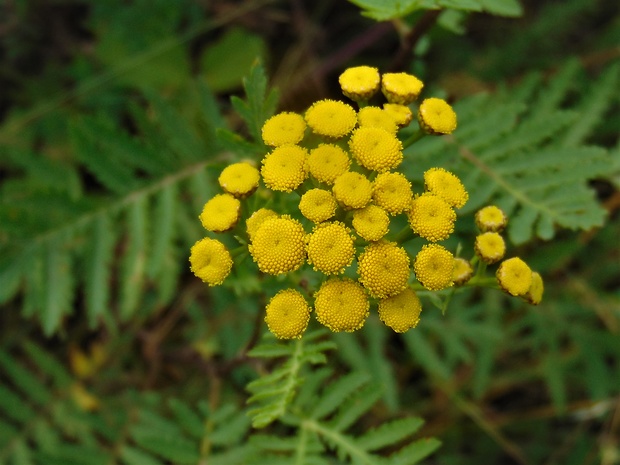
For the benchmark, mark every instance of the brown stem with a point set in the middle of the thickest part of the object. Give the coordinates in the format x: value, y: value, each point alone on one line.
x: 408, y: 43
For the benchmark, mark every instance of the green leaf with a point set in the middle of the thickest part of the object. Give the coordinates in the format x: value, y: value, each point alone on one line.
x: 390, y: 433
x: 510, y: 8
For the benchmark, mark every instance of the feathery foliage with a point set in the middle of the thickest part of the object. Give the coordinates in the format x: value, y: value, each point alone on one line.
x: 522, y: 150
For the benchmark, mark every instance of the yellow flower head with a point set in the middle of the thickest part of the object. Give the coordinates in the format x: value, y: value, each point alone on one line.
x: 434, y: 267
x: 330, y: 248
x: 360, y: 83
x: 376, y: 149
x: 375, y: 117
x: 514, y: 276
x: 491, y: 218
x: 400, y: 88
x: 221, y: 213
x: 239, y: 179
x: 463, y: 271
x: 341, y: 305
x: 210, y: 261
x: 402, y: 311
x: 490, y: 247
x: 383, y: 269
x: 352, y: 190
x: 436, y: 116
x: 256, y: 219
x: 431, y: 217
x: 331, y: 118
x: 283, y: 129
x: 327, y: 162
x: 446, y: 185
x: 287, y: 314
x: 401, y: 114
x: 392, y: 192
x: 371, y: 222
x: 535, y: 292
x: 318, y: 205
x: 285, y: 168
x: 279, y: 246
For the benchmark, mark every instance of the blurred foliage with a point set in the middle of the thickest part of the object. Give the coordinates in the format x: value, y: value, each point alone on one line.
x: 116, y: 118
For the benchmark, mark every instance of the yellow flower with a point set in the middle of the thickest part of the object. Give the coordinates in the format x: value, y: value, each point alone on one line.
x: 490, y: 247
x: 285, y: 168
x: 330, y: 248
x: 436, y: 116
x: 210, y: 261
x: 279, y: 246
x: 463, y: 271
x: 283, y: 129
x: 287, y: 314
x: 401, y: 88
x: 535, y: 292
x: 318, y: 205
x: 434, y: 267
x: 392, y: 192
x: 383, y: 269
x: 491, y: 218
x: 446, y: 185
x: 402, y: 311
x: 256, y: 219
x: 402, y: 114
x: 331, y: 118
x: 360, y: 83
x: 371, y: 222
x: 239, y: 179
x: 327, y: 162
x: 514, y: 276
x: 431, y: 217
x: 376, y: 149
x: 375, y: 117
x: 341, y: 305
x: 221, y: 213
x: 352, y: 190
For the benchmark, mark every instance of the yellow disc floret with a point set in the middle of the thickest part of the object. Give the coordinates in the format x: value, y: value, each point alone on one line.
x: 490, y: 247
x: 287, y: 314
x: 431, y: 217
x: 360, y: 83
x: 210, y: 261
x: 371, y: 222
x: 436, y: 116
x: 434, y: 267
x: 239, y: 179
x: 401, y: 114
x: 256, y: 219
x: 375, y: 117
x: 220, y: 213
x: 463, y: 271
x: 491, y: 218
x: 514, y: 276
x: 392, y: 192
x: 331, y: 118
x: 383, y: 269
x: 341, y: 305
x: 352, y: 190
x: 401, y: 312
x: 285, y: 168
x: 376, y: 149
x: 318, y: 205
x: 330, y: 248
x: 327, y: 162
x: 446, y: 185
x: 535, y: 292
x: 401, y: 88
x: 284, y: 128
x: 279, y: 246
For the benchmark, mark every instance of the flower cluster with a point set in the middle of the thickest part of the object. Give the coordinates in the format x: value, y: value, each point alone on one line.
x: 335, y: 193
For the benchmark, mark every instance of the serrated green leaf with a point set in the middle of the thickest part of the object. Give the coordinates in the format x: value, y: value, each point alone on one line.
x: 133, y: 456
x: 134, y: 258
x: 98, y: 269
x: 337, y: 392
x: 415, y: 452
x: 510, y: 8
x: 390, y: 433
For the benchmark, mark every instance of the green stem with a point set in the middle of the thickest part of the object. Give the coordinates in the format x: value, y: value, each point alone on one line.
x: 416, y: 136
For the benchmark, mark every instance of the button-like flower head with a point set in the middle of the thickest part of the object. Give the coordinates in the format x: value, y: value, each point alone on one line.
x: 220, y: 213
x: 434, y: 267
x: 287, y: 314
x: 402, y: 311
x: 341, y: 305
x: 383, y: 269
x: 278, y: 246
x: 210, y: 261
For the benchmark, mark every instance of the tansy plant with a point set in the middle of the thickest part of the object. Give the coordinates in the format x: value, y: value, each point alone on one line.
x: 326, y: 214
